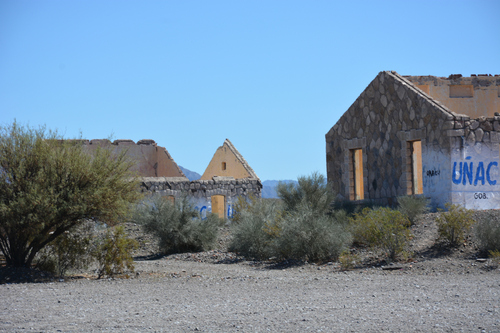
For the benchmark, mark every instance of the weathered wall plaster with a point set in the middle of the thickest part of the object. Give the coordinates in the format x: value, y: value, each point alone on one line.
x: 149, y: 159
x: 476, y: 175
x: 436, y: 175
x: 228, y: 162
x: 483, y: 99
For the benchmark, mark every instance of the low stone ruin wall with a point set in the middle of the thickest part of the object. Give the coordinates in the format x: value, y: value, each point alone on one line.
x: 200, y: 192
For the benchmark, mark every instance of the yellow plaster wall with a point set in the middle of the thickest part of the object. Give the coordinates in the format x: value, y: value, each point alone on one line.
x: 485, y: 102
x: 166, y: 166
x: 234, y: 168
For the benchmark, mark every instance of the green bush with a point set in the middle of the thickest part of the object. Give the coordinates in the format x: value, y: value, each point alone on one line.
x: 353, y: 207
x: 381, y: 228
x: 113, y: 253
x: 68, y: 251
x: 495, y: 256
x: 413, y: 206
x: 49, y: 186
x: 312, y: 191
x: 302, y: 227
x: 454, y: 224
x: 347, y: 260
x: 242, y: 204
x: 257, y: 229
x: 341, y: 217
x: 488, y: 232
x: 178, y: 225
x: 306, y: 235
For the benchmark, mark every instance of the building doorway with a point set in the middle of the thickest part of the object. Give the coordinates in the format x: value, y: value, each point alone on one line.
x: 219, y: 205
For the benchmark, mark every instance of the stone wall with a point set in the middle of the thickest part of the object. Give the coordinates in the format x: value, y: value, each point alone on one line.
x: 460, y: 155
x: 200, y: 192
x: 387, y: 114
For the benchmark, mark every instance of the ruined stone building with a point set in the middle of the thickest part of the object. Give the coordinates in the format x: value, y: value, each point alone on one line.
x: 150, y: 160
x: 423, y: 135
x: 227, y: 176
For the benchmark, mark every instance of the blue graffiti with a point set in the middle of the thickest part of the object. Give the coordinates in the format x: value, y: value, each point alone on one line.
x: 203, y: 211
x: 465, y: 173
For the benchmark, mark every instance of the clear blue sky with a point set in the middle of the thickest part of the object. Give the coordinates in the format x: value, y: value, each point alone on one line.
x: 272, y: 76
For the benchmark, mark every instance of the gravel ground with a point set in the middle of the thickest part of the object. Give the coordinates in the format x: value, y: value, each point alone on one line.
x: 438, y: 290
x: 180, y: 296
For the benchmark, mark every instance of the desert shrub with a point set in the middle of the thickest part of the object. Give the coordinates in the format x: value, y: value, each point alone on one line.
x: 454, y: 224
x: 178, y: 225
x: 381, y: 228
x: 341, y: 217
x: 113, y: 252
x: 68, y: 251
x: 347, y: 260
x: 309, y: 229
x: 488, y: 232
x: 413, y: 206
x: 49, y: 186
x: 242, y: 204
x: 257, y: 229
x: 306, y: 235
x: 353, y: 207
x: 495, y: 256
x: 312, y: 191
x: 300, y: 226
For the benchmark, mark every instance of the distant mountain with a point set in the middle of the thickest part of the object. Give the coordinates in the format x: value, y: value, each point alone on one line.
x: 191, y: 175
x: 269, y: 187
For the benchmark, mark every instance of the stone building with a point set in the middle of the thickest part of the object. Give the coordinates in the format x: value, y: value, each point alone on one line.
x: 227, y: 177
x: 423, y: 135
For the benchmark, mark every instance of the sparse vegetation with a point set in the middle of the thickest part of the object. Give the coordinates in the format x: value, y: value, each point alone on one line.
x: 301, y: 228
x: 242, y: 204
x: 71, y: 250
x: 347, y: 260
x: 113, y: 252
x: 413, y: 206
x: 48, y: 186
x: 352, y: 207
x: 454, y: 224
x: 495, y: 256
x: 381, y: 228
x: 311, y: 191
x: 178, y: 225
x: 306, y: 235
x: 257, y: 229
x: 488, y: 232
